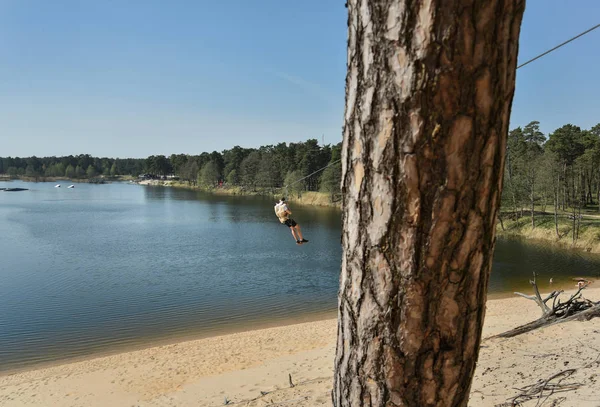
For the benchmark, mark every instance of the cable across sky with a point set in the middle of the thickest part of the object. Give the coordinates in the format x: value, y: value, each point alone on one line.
x: 520, y: 66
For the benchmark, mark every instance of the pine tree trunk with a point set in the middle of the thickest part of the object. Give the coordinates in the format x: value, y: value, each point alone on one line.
x: 544, y: 201
x: 532, y: 203
x: 574, y: 220
x: 556, y: 203
x: 428, y: 98
x: 510, y: 183
x: 564, y: 202
x: 578, y: 219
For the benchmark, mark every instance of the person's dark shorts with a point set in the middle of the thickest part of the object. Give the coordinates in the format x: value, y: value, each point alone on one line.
x: 290, y: 223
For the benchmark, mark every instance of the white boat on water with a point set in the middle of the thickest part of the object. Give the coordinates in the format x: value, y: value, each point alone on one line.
x: 71, y: 186
x: 57, y: 186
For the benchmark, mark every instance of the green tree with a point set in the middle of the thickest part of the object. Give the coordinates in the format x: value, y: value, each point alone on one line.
x: 268, y: 175
x: 114, y: 170
x: 232, y: 178
x: 190, y: 171
x: 332, y: 175
x: 292, y: 185
x: 209, y: 175
x: 178, y: 161
x: 533, y: 139
x: 49, y: 171
x: 79, y: 172
x: 550, y: 173
x: 70, y: 172
x: 91, y: 171
x: 30, y: 171
x: 249, y: 169
x: 12, y: 171
x: 219, y: 164
x: 513, y: 179
x: 59, y: 169
x: 162, y: 165
x: 568, y: 143
x: 233, y: 160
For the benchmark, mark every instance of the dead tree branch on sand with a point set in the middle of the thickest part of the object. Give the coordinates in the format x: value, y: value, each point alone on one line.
x: 538, y: 298
x: 575, y: 308
x: 543, y: 389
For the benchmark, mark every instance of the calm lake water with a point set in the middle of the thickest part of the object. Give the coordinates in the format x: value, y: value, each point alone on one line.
x: 109, y: 267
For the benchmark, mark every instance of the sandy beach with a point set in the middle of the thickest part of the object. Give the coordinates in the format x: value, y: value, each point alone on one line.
x: 252, y: 368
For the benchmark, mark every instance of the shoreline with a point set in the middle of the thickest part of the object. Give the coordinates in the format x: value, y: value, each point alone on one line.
x: 142, y: 345
x: 240, y: 328
x: 242, y: 365
x: 161, y: 344
x: 310, y: 198
x: 588, y: 236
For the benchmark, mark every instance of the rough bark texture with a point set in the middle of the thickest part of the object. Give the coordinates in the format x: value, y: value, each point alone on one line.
x: 428, y: 97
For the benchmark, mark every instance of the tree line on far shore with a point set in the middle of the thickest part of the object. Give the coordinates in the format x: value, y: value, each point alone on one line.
x: 82, y: 166
x: 561, y: 170
x: 267, y: 167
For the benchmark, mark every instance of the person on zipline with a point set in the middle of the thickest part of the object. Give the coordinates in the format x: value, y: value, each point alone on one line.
x: 283, y: 213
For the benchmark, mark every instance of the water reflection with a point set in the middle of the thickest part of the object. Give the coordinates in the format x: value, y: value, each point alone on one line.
x: 515, y: 260
x: 157, y: 193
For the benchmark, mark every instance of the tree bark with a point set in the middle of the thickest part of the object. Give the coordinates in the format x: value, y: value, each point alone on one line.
x: 532, y: 197
x: 564, y: 202
x: 574, y: 220
x: 556, y: 210
x: 428, y: 99
x: 510, y: 182
x: 544, y: 200
x: 589, y: 198
x: 578, y: 219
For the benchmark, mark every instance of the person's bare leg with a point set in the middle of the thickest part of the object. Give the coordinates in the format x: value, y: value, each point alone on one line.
x: 299, y: 232
x: 294, y: 234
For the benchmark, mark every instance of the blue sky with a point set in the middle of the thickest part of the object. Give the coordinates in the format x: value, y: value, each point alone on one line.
x: 139, y: 77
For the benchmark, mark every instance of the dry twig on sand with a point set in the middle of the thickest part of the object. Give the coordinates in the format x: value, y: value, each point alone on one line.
x: 543, y: 389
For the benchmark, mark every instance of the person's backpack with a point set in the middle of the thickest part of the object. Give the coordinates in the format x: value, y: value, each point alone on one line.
x: 280, y: 212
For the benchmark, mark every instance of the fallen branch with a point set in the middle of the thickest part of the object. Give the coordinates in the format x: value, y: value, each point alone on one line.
x: 593, y: 312
x: 537, y: 297
x: 575, y: 308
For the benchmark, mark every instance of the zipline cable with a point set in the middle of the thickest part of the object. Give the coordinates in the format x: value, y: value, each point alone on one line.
x: 312, y: 173
x: 520, y: 66
x: 559, y: 45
